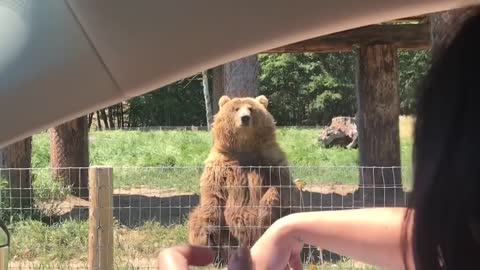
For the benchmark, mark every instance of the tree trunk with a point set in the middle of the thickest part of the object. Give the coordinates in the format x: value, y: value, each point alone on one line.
x: 378, y: 119
x: 99, y: 122
x: 122, y: 111
x: 103, y: 113
x: 16, y: 161
x: 444, y: 25
x: 241, y: 77
x: 69, y: 155
x: 218, y: 87
x: 111, y: 112
x: 120, y: 122
x: 90, y: 119
x: 206, y: 95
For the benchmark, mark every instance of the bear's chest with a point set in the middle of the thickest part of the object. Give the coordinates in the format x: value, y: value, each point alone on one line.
x: 247, y: 159
x: 246, y: 179
x: 244, y: 172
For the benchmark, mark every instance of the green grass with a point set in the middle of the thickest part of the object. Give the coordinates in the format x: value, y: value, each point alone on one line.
x: 64, y: 245
x: 34, y: 239
x: 190, y: 148
x: 165, y: 160
x: 174, y: 159
x: 136, y: 148
x: 63, y: 242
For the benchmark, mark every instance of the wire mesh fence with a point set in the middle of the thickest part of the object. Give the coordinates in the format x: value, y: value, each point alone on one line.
x: 188, y: 128
x: 74, y: 218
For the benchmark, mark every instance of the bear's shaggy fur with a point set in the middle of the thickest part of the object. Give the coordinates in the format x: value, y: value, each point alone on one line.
x: 246, y: 184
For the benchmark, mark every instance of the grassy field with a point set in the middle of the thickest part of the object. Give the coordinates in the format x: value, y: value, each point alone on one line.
x: 164, y: 160
x: 174, y: 159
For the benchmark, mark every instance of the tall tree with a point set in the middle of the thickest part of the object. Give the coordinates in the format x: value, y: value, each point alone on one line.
x: 103, y: 113
x: 241, y: 77
x: 69, y: 155
x: 99, y: 122
x: 111, y: 112
x: 206, y: 95
x: 90, y: 119
x: 15, y: 164
x: 378, y: 119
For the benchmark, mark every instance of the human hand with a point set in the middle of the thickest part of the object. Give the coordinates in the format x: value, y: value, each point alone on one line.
x: 240, y: 260
x: 278, y: 248
x: 181, y: 257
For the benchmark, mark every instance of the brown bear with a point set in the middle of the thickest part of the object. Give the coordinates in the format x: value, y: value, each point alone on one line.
x: 246, y: 183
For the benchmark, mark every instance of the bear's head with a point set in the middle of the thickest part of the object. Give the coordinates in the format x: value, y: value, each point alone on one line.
x: 243, y: 124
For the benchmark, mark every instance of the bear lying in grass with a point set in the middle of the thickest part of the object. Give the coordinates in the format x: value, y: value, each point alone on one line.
x: 246, y: 184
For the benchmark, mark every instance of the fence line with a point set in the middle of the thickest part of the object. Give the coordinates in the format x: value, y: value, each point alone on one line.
x: 188, y: 128
x: 202, y: 167
x: 184, y: 128
x: 129, y: 206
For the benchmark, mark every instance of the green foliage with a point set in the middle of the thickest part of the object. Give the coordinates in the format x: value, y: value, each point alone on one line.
x: 41, y: 155
x: 308, y: 89
x: 178, y: 104
x: 4, y: 200
x: 303, y: 89
x: 313, y: 88
x: 413, y: 66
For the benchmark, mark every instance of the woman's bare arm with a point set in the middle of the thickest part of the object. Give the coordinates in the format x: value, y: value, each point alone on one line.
x: 373, y: 236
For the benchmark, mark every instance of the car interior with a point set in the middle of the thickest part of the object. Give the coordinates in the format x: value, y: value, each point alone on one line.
x: 62, y: 59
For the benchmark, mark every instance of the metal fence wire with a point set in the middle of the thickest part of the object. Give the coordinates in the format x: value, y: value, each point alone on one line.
x: 119, y: 218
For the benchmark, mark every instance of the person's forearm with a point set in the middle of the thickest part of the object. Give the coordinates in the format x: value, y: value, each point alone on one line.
x: 372, y: 236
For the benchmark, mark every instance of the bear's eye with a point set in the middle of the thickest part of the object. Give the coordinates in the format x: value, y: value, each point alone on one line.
x: 237, y: 108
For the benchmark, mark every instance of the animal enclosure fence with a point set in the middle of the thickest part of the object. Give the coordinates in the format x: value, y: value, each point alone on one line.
x: 132, y: 213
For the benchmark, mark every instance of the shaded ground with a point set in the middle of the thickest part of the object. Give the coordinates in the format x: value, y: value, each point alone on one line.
x: 132, y: 207
x: 135, y: 206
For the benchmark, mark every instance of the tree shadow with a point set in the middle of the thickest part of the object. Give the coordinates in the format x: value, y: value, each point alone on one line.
x: 134, y: 210
x: 130, y: 210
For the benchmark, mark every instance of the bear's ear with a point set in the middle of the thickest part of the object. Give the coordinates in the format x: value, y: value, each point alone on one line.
x: 263, y: 100
x: 222, y: 101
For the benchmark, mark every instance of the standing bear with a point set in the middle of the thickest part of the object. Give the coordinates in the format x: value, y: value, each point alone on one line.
x: 246, y: 183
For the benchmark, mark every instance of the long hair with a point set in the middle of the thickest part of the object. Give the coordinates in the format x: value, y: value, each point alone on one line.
x: 446, y: 158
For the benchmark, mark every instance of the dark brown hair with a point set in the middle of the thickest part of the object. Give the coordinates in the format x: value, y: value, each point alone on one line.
x: 446, y: 157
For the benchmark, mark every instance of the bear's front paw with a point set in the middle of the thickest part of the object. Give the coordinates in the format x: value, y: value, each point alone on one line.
x: 270, y: 198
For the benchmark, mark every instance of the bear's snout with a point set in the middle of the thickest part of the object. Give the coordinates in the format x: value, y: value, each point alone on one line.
x: 245, y: 116
x: 245, y: 120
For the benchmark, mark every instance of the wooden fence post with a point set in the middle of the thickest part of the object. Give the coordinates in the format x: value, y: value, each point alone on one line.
x: 100, y: 231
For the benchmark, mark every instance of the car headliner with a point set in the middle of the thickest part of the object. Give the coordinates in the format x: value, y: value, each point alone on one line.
x: 61, y: 59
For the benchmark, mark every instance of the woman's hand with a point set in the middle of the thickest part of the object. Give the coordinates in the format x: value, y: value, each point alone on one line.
x: 181, y: 257
x: 240, y: 260
x: 278, y: 248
